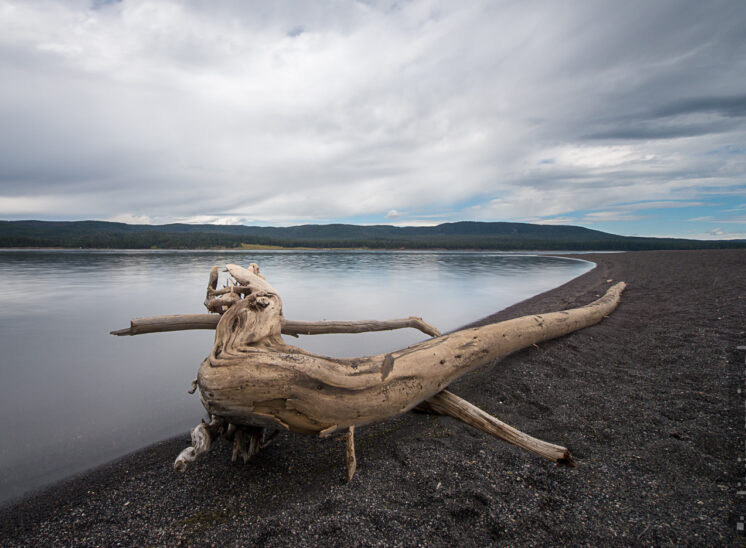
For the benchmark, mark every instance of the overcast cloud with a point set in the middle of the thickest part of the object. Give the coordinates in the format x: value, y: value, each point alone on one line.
x: 628, y: 117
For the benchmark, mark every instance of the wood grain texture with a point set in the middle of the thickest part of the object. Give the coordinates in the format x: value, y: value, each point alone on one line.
x: 253, y: 380
x: 253, y: 377
x: 184, y: 322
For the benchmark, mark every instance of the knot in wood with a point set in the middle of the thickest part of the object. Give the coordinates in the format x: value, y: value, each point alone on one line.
x: 258, y: 301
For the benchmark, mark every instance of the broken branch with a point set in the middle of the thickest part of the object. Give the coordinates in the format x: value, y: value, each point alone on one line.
x: 447, y: 403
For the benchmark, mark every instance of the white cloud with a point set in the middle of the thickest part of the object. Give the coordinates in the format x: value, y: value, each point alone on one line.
x: 720, y: 234
x: 612, y: 216
x: 419, y: 222
x: 599, y: 158
x: 277, y: 112
x: 28, y: 206
x: 131, y: 219
x: 551, y: 221
x: 664, y: 204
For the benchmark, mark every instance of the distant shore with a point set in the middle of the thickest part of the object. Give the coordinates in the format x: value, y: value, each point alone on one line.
x: 461, y: 235
x: 250, y: 247
x: 646, y: 401
x: 242, y: 247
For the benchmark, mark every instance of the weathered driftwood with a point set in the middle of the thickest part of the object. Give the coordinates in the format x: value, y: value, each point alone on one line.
x: 252, y: 380
x: 184, y: 322
x: 350, y: 453
x: 202, y: 436
x: 446, y: 403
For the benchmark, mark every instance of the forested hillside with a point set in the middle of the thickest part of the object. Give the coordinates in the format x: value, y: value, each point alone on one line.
x: 461, y: 235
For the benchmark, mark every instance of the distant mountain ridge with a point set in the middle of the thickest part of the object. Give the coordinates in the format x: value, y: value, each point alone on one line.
x: 457, y: 235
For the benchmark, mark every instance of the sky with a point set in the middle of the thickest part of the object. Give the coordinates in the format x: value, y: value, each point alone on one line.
x: 627, y: 117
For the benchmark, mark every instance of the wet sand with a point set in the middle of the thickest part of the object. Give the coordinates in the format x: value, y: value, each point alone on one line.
x: 646, y: 401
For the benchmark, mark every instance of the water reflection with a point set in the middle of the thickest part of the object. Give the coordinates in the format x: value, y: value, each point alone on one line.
x: 79, y: 397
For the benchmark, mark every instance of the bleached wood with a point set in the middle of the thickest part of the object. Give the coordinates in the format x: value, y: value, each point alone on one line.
x: 183, y: 322
x: 447, y: 403
x: 175, y: 322
x: 212, y: 282
x: 250, y: 277
x: 253, y: 380
x: 350, y: 458
x: 292, y: 327
x: 238, y: 289
x: 202, y: 436
x: 252, y: 377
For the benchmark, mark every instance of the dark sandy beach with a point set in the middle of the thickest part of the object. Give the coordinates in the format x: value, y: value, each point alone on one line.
x: 647, y: 402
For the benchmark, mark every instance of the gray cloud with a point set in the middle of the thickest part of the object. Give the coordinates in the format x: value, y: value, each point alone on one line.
x: 732, y: 106
x: 294, y: 112
x: 681, y: 118
x: 653, y: 130
x: 99, y: 4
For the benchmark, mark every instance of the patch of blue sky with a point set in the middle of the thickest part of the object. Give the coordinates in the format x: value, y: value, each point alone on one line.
x: 720, y: 216
x: 728, y: 149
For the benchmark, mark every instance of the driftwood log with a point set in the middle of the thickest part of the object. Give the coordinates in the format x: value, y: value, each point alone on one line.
x: 254, y: 384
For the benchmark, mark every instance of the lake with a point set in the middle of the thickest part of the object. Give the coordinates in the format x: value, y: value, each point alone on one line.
x: 76, y: 397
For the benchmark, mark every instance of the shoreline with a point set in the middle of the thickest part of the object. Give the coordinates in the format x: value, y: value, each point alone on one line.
x: 645, y: 401
x: 28, y: 471
x: 47, y: 474
x: 568, y: 252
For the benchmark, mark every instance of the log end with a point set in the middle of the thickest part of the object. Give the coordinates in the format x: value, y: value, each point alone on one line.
x: 566, y: 460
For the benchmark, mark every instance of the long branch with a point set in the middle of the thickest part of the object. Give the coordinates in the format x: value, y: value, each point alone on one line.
x: 447, y: 403
x: 290, y: 327
x: 183, y: 322
x: 175, y: 322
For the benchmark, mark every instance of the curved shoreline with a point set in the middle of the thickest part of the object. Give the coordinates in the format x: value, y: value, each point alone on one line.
x: 26, y: 468
x: 643, y: 399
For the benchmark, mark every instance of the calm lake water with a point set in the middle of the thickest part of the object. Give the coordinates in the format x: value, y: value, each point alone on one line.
x: 74, y: 396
